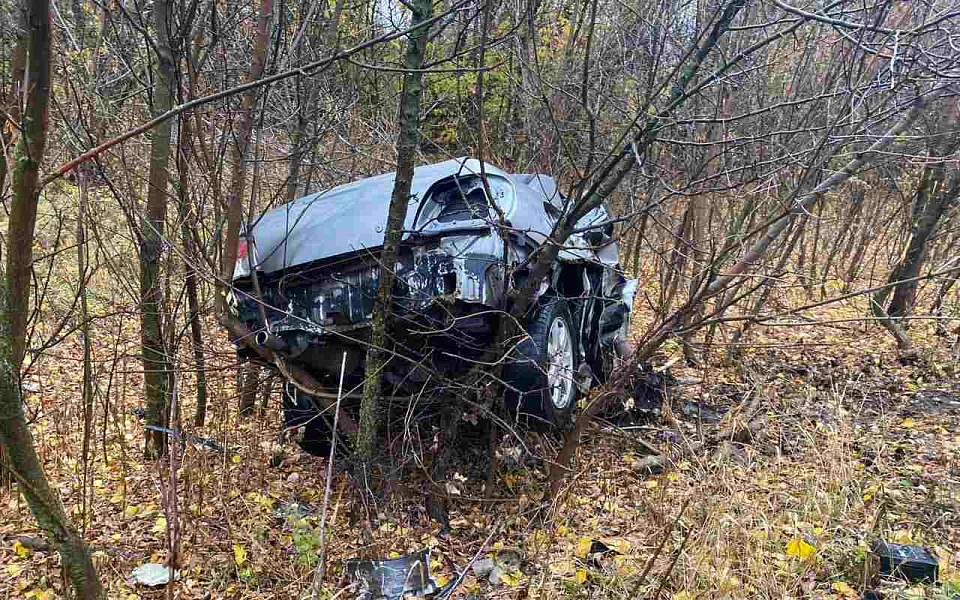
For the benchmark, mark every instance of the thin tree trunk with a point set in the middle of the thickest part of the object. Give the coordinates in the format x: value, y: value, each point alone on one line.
x: 87, y: 387
x: 20, y: 455
x: 11, y: 107
x: 407, y: 142
x: 156, y: 364
x: 187, y: 220
x: 239, y: 152
x: 936, y: 198
x: 249, y: 385
x: 240, y: 149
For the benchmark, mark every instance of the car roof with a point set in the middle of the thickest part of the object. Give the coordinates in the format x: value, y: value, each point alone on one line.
x: 352, y: 216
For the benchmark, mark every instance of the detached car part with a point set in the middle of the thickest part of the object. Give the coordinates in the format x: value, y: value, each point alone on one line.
x: 307, y: 274
x: 395, y: 578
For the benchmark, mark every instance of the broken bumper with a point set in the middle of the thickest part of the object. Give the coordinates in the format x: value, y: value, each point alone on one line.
x: 454, y: 269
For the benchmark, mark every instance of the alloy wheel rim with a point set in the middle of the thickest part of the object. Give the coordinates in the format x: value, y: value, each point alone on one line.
x: 560, y: 363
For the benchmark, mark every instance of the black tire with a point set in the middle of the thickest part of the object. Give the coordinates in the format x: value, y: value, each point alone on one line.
x: 529, y: 395
x: 300, y: 413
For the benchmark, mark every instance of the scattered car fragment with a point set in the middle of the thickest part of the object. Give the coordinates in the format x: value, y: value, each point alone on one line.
x: 152, y: 574
x: 307, y: 275
x: 395, y: 578
x: 911, y: 563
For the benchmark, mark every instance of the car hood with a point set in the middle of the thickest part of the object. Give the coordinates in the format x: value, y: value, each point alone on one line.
x: 342, y: 220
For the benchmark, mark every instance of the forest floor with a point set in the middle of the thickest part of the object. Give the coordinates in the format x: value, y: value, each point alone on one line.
x: 781, y: 470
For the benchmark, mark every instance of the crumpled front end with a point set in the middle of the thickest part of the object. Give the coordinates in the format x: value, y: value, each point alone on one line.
x: 446, y: 285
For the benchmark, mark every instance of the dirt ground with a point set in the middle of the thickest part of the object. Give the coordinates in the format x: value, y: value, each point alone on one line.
x: 781, y: 470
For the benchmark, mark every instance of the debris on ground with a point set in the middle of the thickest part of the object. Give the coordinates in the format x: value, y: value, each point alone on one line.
x: 292, y: 511
x: 912, y: 563
x: 152, y: 574
x: 393, y: 578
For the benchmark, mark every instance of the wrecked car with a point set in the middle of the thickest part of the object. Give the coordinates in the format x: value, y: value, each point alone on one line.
x: 307, y: 275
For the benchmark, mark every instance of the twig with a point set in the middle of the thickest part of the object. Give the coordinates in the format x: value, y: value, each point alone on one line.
x: 318, y: 575
x: 656, y: 553
x: 302, y: 71
x: 452, y: 587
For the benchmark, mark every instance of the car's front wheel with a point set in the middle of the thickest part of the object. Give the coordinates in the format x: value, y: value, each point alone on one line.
x: 542, y: 379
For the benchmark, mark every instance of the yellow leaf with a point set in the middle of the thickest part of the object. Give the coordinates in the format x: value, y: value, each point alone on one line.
x: 20, y: 550
x: 583, y: 547
x: 160, y: 525
x: 908, y: 423
x: 581, y: 576
x: 843, y: 589
x: 236, y: 459
x: 683, y: 596
x: 512, y: 578
x: 902, y: 536
x: 14, y: 570
x: 650, y: 484
x: 131, y: 511
x: 239, y: 554
x: 797, y: 548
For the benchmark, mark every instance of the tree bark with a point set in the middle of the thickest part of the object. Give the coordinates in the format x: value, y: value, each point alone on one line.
x: 239, y: 151
x: 937, y: 196
x: 188, y: 221
x: 20, y: 455
x: 407, y: 142
x: 156, y: 364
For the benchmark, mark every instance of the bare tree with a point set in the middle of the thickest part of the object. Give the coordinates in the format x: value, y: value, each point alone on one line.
x: 407, y: 141
x: 156, y: 363
x: 19, y: 452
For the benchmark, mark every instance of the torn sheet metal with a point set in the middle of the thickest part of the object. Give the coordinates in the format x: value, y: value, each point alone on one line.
x: 395, y: 578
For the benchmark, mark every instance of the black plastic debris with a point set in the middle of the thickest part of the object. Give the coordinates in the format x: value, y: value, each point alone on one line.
x: 649, y: 388
x: 395, y: 578
x: 915, y: 564
x: 199, y: 441
x: 598, y: 553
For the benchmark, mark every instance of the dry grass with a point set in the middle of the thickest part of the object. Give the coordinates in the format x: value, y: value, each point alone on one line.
x: 843, y: 449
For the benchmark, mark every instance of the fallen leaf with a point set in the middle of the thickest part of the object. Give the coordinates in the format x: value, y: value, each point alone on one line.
x: 239, y: 554
x: 511, y: 578
x: 798, y: 548
x: 160, y: 525
x: 20, y: 550
x: 843, y: 589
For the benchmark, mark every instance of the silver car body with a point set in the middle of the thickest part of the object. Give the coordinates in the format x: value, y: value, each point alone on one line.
x: 332, y: 239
